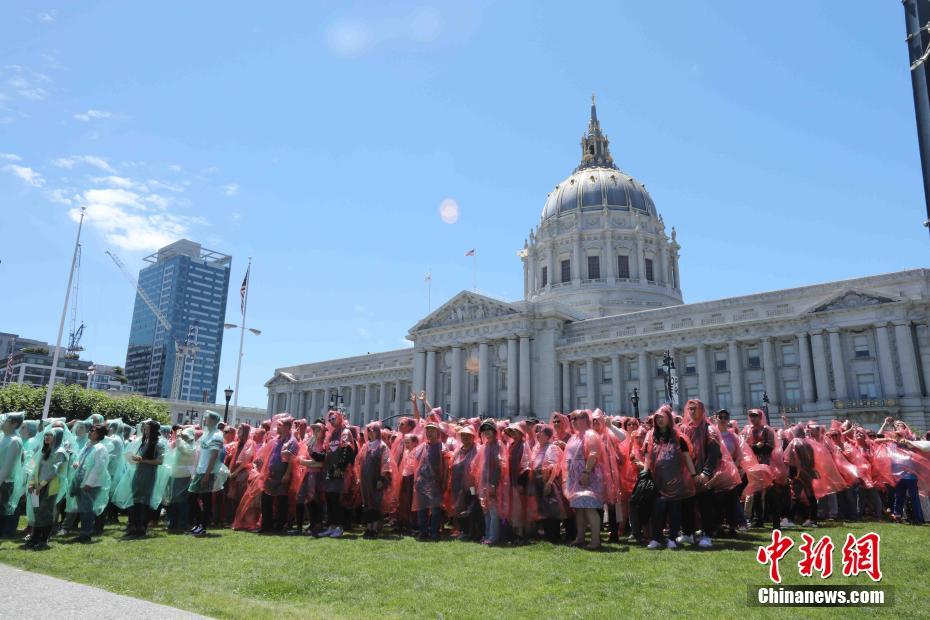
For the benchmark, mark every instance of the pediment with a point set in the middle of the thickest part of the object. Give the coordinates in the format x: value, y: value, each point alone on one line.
x: 466, y: 307
x: 851, y: 299
x: 281, y: 378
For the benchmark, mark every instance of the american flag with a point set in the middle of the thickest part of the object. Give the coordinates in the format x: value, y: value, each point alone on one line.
x: 244, y: 289
x: 470, y: 252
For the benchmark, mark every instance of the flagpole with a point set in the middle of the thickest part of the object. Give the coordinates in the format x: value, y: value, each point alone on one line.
x: 245, y: 306
x: 61, y: 324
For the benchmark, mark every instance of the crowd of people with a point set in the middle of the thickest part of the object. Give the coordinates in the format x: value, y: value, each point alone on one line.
x: 663, y: 481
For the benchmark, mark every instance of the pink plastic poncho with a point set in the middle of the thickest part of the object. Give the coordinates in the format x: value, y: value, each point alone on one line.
x: 666, y: 462
x: 611, y: 461
x: 829, y: 479
x: 491, y: 467
x: 758, y: 475
x: 562, y: 429
x: 518, y: 465
x: 892, y: 461
x: 429, y: 475
x: 861, y: 458
x: 546, y: 500
x: 376, y: 474
x: 461, y: 485
x: 846, y: 468
x: 776, y: 458
x: 574, y: 460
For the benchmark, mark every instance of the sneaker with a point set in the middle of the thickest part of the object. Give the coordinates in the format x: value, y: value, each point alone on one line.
x: 809, y: 523
x: 654, y: 544
x: 705, y: 542
x: 742, y: 528
x: 682, y: 539
x: 325, y: 533
x: 671, y: 544
x: 786, y: 523
x: 336, y: 533
x: 632, y: 539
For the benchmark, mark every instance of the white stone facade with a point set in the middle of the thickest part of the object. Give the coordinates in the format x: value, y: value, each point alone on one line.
x: 856, y: 348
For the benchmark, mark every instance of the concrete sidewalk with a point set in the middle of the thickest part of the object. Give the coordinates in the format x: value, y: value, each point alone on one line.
x: 31, y: 595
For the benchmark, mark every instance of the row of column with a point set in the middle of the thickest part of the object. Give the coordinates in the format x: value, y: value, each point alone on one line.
x: 815, y: 362
x: 313, y: 404
x: 519, y: 374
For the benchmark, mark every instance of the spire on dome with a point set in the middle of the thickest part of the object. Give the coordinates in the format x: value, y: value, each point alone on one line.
x: 595, y: 147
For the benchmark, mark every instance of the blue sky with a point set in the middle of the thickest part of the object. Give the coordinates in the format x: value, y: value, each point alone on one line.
x: 321, y: 139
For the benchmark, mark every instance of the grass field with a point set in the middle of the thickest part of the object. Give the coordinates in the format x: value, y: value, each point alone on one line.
x: 242, y: 575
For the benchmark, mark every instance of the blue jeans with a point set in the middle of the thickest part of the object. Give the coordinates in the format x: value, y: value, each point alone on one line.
x: 430, y: 520
x: 907, y: 486
x: 492, y: 525
x: 663, y: 508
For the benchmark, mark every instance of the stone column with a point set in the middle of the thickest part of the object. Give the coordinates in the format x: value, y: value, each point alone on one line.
x: 839, y: 365
x: 807, y: 375
x: 458, y: 370
x: 484, y: 379
x: 383, y: 402
x: 885, y: 362
x: 526, y: 394
x: 289, y: 401
x: 770, y: 369
x: 610, y: 268
x: 576, y: 267
x: 398, y: 398
x: 616, y: 380
x: 513, y: 397
x: 907, y: 358
x: 640, y: 261
x: 645, y: 385
x: 531, y: 270
x: 592, y: 384
x: 553, y: 260
x: 566, y: 387
x: 820, y: 368
x: 430, y: 383
x: 419, y: 371
x: 270, y: 400
x: 703, y: 375
x: 736, y: 376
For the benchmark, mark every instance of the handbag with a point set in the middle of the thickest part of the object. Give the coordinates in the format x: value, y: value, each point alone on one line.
x: 645, y: 488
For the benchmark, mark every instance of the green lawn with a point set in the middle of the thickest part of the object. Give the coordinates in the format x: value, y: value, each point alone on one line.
x: 241, y: 575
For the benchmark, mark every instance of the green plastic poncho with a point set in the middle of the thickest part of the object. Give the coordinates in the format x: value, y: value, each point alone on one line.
x: 75, y: 446
x: 11, y: 467
x: 116, y: 447
x: 142, y: 483
x: 181, y: 460
x: 48, y: 478
x: 92, y: 470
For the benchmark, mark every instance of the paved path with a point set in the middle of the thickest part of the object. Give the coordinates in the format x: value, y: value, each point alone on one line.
x: 31, y: 595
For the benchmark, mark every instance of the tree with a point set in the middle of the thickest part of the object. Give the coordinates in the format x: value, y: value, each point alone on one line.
x: 76, y: 402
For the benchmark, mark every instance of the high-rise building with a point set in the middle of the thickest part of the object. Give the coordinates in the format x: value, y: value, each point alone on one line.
x: 188, y: 285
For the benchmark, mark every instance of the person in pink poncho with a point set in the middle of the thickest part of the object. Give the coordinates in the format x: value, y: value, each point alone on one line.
x: 375, y: 471
x: 669, y: 462
x: 584, y: 478
x: 706, y: 456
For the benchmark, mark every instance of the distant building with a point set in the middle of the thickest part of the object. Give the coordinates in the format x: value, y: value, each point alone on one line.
x: 109, y: 378
x: 11, y: 343
x: 186, y: 412
x: 188, y: 284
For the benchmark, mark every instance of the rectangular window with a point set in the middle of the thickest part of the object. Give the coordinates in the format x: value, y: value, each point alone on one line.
x: 723, y: 397
x: 720, y: 361
x: 623, y: 266
x: 583, y: 374
x: 607, y: 373
x: 861, y: 346
x: 753, y: 361
x: 867, y: 386
x: 566, y: 270
x: 792, y: 392
x: 608, y: 404
x: 502, y: 378
x: 661, y: 397
x: 755, y: 394
x: 691, y: 364
x: 634, y: 370
x: 545, y: 277
x: 594, y: 267
x: 649, y: 274
x: 789, y: 355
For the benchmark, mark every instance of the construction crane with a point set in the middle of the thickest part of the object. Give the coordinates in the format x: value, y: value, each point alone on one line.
x: 183, y: 350
x: 75, y: 333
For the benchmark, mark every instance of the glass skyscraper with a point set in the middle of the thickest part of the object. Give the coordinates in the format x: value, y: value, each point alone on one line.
x: 188, y: 285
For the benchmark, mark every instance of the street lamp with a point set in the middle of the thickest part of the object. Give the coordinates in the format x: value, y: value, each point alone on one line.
x: 634, y: 399
x: 765, y: 405
x: 242, y: 329
x: 228, y: 392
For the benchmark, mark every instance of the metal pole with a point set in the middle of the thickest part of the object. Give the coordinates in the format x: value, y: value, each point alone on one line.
x: 916, y: 11
x: 245, y: 307
x: 61, y: 324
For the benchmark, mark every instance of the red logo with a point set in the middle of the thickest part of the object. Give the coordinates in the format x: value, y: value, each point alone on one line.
x: 773, y: 553
x: 817, y: 557
x: 860, y: 555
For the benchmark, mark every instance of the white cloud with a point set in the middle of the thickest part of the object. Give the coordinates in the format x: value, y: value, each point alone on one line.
x: 46, y: 16
x: 10, y: 157
x: 361, y: 332
x: 59, y: 196
x: 174, y: 168
x: 27, y: 174
x: 231, y: 190
x: 156, y: 184
x: 116, y: 181
x: 449, y: 211
x: 27, y: 89
x: 92, y: 115
x: 351, y: 38
x: 90, y: 160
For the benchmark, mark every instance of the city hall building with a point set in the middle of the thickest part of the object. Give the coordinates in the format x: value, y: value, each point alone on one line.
x: 603, y: 307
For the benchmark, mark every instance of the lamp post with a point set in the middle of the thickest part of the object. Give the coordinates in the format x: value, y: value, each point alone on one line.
x: 228, y: 392
x: 242, y: 327
x: 634, y: 399
x: 765, y: 406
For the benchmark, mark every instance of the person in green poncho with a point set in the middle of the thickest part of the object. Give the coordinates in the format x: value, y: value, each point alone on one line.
x: 91, y: 480
x: 148, y: 458
x: 44, y: 486
x: 209, y: 464
x: 79, y: 430
x: 11, y: 459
